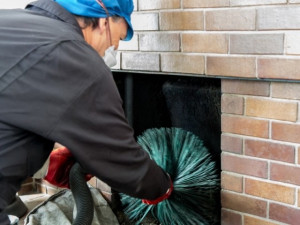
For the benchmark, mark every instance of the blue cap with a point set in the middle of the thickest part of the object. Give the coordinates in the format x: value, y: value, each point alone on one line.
x: 91, y: 8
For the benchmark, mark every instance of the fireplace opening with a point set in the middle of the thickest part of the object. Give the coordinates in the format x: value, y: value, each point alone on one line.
x: 190, y: 103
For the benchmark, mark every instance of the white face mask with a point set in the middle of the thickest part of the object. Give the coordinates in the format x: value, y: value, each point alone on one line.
x: 110, y: 56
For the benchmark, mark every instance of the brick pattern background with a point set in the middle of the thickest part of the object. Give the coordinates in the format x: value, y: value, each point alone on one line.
x: 260, y: 145
x: 249, y: 39
x: 260, y: 142
x: 231, y: 38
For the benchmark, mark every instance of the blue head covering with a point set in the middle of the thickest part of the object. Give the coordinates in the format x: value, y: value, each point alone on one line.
x: 91, y: 8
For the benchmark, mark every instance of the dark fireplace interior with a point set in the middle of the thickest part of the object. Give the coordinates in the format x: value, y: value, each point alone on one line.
x: 190, y: 103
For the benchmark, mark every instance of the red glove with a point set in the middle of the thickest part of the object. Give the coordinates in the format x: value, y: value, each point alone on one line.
x: 61, y: 162
x: 161, y: 198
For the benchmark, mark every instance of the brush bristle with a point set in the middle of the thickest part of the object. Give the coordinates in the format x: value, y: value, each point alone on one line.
x: 196, y: 180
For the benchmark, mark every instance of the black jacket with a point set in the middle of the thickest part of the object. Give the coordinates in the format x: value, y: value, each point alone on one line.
x: 55, y: 88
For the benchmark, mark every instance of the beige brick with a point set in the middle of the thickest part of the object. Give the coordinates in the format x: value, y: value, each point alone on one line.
x: 298, y: 113
x: 232, y: 104
x: 286, y: 132
x: 278, y: 18
x: 256, y: 43
x: 39, y: 189
x: 255, y: 2
x: 298, y: 162
x: 135, y: 5
x: 230, y: 218
x: 293, y: 43
x: 249, y: 220
x: 182, y: 20
x: 46, y: 185
x: 52, y: 191
x: 21, y: 4
x: 245, y: 126
x: 159, y: 42
x: 272, y: 109
x: 276, y: 192
x: 205, y: 43
x: 182, y: 63
x: 231, y: 182
x: 205, y: 3
x: 284, y: 214
x: 27, y: 189
x: 144, y: 21
x: 158, y: 4
x: 132, y: 45
x: 231, y: 66
x: 29, y: 180
x: 286, y: 90
x: 299, y: 198
x: 241, y: 203
x: 256, y: 88
x: 231, y: 144
x: 270, y: 150
x: 244, y: 165
x: 140, y: 61
x: 230, y: 19
x: 279, y: 68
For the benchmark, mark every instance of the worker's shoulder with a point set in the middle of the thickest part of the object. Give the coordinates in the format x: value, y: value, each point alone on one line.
x: 37, y: 27
x: 31, y: 35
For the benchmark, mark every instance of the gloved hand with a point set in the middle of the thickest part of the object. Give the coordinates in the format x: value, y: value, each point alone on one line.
x: 161, y: 198
x: 61, y: 162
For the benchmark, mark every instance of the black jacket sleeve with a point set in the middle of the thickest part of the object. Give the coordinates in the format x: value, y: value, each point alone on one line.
x: 55, y: 86
x: 94, y: 128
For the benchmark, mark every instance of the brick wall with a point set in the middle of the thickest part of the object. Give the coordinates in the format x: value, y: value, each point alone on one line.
x: 260, y: 152
x: 251, y: 45
x: 231, y: 38
x: 255, y: 44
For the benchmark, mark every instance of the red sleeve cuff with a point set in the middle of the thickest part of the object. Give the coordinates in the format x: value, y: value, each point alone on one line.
x: 161, y: 198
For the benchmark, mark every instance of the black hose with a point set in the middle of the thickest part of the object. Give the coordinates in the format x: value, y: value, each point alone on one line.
x: 82, y: 196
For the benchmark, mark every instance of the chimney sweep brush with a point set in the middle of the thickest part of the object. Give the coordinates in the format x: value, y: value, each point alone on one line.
x: 195, y: 197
